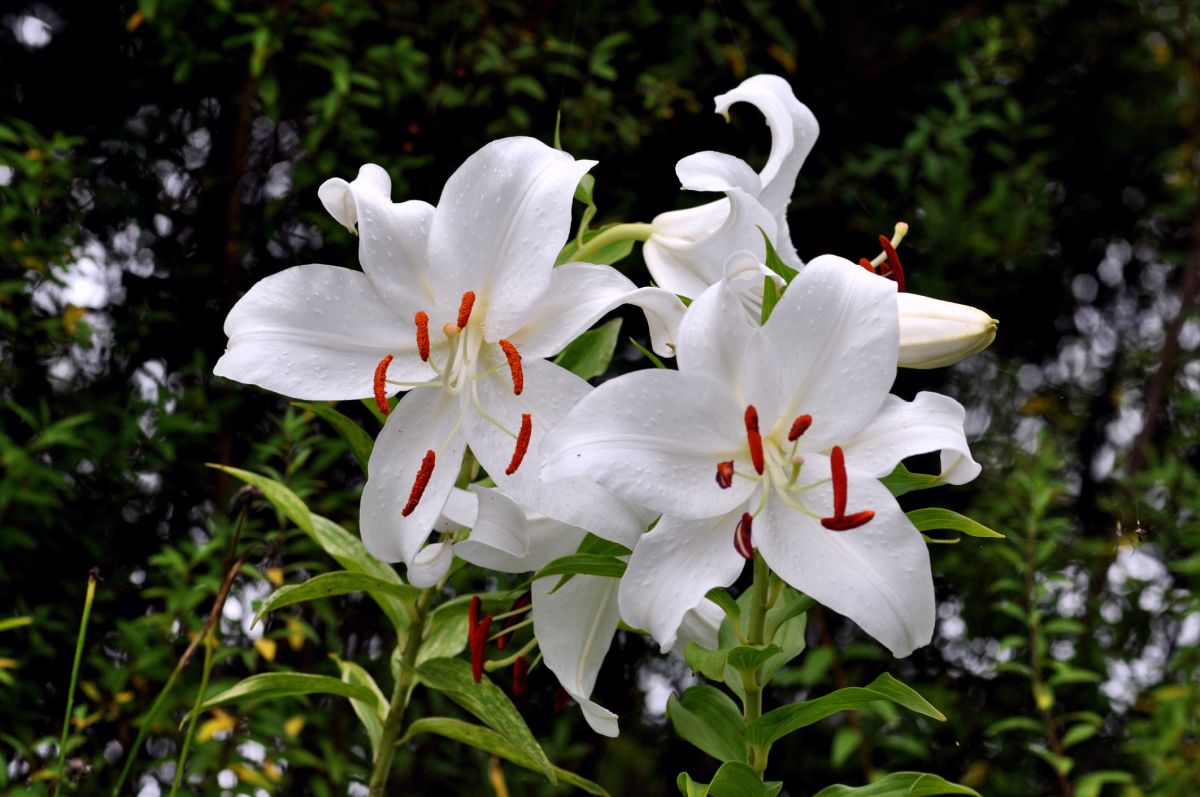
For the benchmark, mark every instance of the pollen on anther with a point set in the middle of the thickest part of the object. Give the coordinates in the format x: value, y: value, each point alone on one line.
x: 514, y: 366
x: 742, y: 541
x: 464, y: 309
x: 754, y: 439
x: 381, y: 385
x: 725, y: 474
x: 522, y: 444
x: 421, y: 319
x: 893, y: 260
x: 420, y: 483
x: 837, y: 472
x: 799, y: 427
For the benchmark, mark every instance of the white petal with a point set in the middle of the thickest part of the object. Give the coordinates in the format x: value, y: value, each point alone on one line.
x: 672, y: 568
x: 877, y: 575
x: 828, y: 350
x: 716, y: 171
x: 582, y: 292
x: 422, y: 421
x: 317, y: 332
x: 701, y: 626
x: 501, y: 220
x: 506, y: 539
x: 745, y: 276
x: 794, y: 131
x: 574, y: 627
x: 459, y: 513
x: 655, y: 438
x: 930, y: 422
x: 713, y: 337
x: 430, y: 564
x: 687, y: 249
x: 934, y: 333
x: 393, y: 239
x: 550, y: 391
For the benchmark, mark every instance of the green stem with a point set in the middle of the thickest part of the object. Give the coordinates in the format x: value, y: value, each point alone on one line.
x: 394, y: 721
x: 209, y: 645
x: 62, y: 744
x: 752, y: 704
x: 612, y: 235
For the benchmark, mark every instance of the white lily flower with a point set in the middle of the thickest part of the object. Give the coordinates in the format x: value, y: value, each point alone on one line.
x: 462, y: 301
x: 687, y: 249
x: 574, y: 624
x: 935, y: 333
x: 774, y: 437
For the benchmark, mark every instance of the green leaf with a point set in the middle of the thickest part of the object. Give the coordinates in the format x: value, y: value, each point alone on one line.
x: 372, y: 713
x: 587, y: 564
x: 709, y: 719
x: 933, y: 518
x: 733, y: 779
x: 649, y: 354
x: 1010, y: 724
x: 901, y: 481
x: 489, y: 741
x: 272, y: 685
x: 9, y: 623
x: 733, y: 665
x: 1078, y: 733
x: 589, y: 354
x: 452, y: 677
x: 340, y: 582
x: 770, y: 299
x: 1089, y: 785
x: 598, y: 545
x: 781, y: 721
x: 355, y: 436
x: 900, y: 784
x: 774, y: 262
x: 446, y: 632
x: 785, y: 625
x: 608, y: 254
x: 723, y: 599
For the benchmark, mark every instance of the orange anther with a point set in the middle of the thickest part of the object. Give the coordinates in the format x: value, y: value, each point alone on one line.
x: 464, y: 309
x: 514, y: 366
x: 522, y: 444
x: 381, y: 385
x: 421, y: 319
x: 420, y: 483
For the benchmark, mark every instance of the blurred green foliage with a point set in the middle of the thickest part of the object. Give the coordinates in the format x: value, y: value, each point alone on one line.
x: 157, y: 158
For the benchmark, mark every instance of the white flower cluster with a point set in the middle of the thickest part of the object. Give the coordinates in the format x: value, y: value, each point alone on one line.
x: 769, y: 436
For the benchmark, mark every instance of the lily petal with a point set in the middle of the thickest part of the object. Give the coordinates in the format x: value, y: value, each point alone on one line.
x: 430, y: 564
x: 828, y: 350
x: 714, y: 335
x: 934, y: 333
x: 501, y: 219
x: 575, y: 626
x: 930, y: 422
x: 700, y: 625
x: 877, y: 575
x: 672, y: 568
x: 423, y: 420
x: 582, y: 292
x: 716, y: 171
x: 508, y: 540
x: 392, y: 238
x: 636, y: 437
x: 317, y: 332
x: 794, y: 131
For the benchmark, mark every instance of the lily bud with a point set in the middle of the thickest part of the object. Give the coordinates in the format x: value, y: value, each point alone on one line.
x: 934, y: 333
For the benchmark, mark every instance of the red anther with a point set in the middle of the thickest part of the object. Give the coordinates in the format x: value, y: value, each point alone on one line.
x: 561, y: 699
x: 477, y: 639
x: 837, y: 471
x: 754, y: 439
x: 893, y: 259
x: 522, y: 444
x: 849, y: 521
x: 725, y: 474
x: 799, y: 426
x: 514, y: 366
x: 381, y: 385
x: 520, y: 603
x: 862, y: 261
x: 741, y: 536
x: 420, y: 483
x: 422, y: 321
x: 520, y: 670
x: 464, y: 309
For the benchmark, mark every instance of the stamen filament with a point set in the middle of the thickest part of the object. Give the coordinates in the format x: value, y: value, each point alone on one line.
x: 514, y: 366
x: 522, y: 444
x: 486, y: 415
x: 464, y: 309
x: 754, y: 439
x: 420, y: 483
x: 421, y: 319
x: 380, y: 384
x: 501, y: 636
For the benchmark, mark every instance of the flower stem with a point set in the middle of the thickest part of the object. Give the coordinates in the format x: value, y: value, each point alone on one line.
x: 607, y: 237
x: 62, y: 744
x: 394, y: 721
x: 210, y: 643
x: 752, y: 704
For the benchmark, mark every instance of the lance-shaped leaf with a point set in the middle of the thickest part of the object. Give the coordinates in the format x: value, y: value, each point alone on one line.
x: 780, y: 722
x: 372, y: 713
x: 452, y: 677
x: 359, y: 441
x: 586, y: 564
x: 934, y: 518
x: 284, y: 684
x: 327, y: 585
x: 900, y: 784
x: 489, y: 741
x: 733, y: 779
x: 902, y: 480
x: 709, y: 719
x: 589, y: 354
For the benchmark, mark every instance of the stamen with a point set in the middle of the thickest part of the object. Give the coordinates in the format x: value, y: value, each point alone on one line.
x: 522, y: 444
x: 725, y: 474
x: 741, y: 536
x: 510, y: 618
x: 799, y: 427
x: 464, y: 309
x: 754, y: 439
x: 893, y: 260
x: 422, y: 321
x: 420, y: 483
x: 477, y: 639
x: 514, y: 366
x: 862, y: 261
x: 520, y: 670
x: 473, y: 613
x: 837, y: 466
x: 848, y: 522
x: 381, y: 385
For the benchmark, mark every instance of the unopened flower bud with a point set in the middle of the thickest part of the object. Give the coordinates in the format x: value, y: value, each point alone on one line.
x: 934, y: 333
